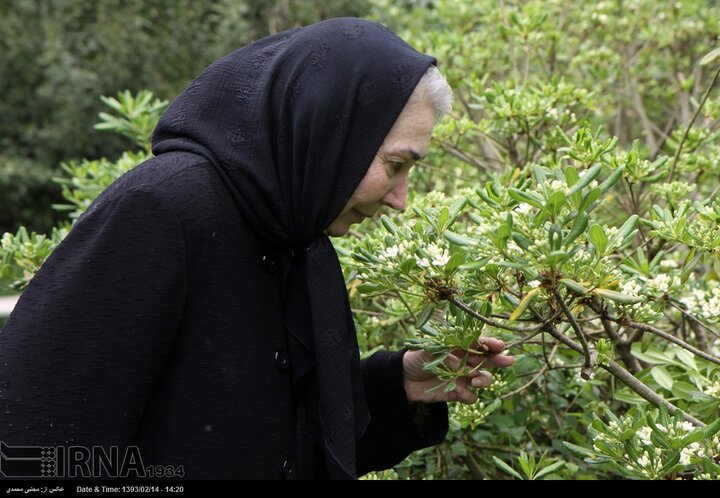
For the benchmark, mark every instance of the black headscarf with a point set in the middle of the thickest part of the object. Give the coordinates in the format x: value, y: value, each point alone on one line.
x: 292, y: 123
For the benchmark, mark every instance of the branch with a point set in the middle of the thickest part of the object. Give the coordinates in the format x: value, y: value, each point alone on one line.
x: 580, y: 335
x: 628, y: 379
x: 669, y: 337
x: 526, y: 385
x: 692, y: 121
x: 493, y: 323
x: 694, y: 319
x: 621, y: 347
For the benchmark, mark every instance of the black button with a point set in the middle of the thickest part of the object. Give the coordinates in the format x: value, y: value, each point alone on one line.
x: 269, y: 264
x: 281, y: 360
x: 288, y: 471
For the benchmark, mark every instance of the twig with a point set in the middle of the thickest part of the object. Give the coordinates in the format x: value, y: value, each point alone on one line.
x: 524, y: 339
x: 693, y: 318
x: 407, y: 306
x: 579, y: 333
x: 669, y: 337
x: 628, y: 379
x: 692, y: 121
x: 493, y: 323
x: 527, y: 384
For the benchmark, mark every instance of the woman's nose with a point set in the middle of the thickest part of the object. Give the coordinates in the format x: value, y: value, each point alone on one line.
x: 397, y: 195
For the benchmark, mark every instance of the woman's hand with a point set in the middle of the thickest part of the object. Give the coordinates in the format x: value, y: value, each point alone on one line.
x: 418, y: 381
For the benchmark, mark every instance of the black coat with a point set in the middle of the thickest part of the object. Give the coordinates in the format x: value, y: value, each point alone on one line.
x: 196, y: 309
x: 121, y: 339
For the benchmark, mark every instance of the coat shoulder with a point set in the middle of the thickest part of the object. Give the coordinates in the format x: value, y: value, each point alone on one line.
x: 185, y: 184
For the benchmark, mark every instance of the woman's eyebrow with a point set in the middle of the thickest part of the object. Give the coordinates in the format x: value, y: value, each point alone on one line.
x: 415, y: 155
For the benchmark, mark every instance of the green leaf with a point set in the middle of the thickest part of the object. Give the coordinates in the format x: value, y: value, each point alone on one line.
x: 425, y: 314
x: 629, y: 397
x: 662, y: 377
x: 458, y: 239
x: 502, y: 236
x: 527, y: 197
x: 617, y: 296
x: 589, y: 199
x: 571, y: 176
x: 611, y: 180
x: 579, y: 450
x: 444, y: 216
x: 671, y: 462
x: 586, y: 179
x: 555, y: 202
x: 693, y: 437
x: 574, y: 286
x: 456, y: 209
x: 598, y: 239
x: 523, y: 461
x: 710, y: 56
x: 687, y: 391
x: 579, y: 225
x: 627, y: 228
x: 555, y: 258
x: 687, y: 358
x: 389, y: 225
x: 554, y: 237
x: 653, y: 355
x: 506, y: 468
x: 524, y: 303
x: 712, y: 429
x: 550, y: 469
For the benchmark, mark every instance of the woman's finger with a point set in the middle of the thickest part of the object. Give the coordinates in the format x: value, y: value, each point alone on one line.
x: 482, y: 361
x: 463, y: 394
x: 481, y: 379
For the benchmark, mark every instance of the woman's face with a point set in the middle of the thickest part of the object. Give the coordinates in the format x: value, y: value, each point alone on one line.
x: 386, y: 181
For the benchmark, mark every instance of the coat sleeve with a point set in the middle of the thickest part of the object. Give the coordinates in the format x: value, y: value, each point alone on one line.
x: 84, y: 346
x: 397, y: 427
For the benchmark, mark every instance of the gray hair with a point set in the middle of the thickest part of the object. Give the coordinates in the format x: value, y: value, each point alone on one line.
x: 437, y: 90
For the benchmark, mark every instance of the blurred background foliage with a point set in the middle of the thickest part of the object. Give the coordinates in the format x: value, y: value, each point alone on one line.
x: 57, y: 57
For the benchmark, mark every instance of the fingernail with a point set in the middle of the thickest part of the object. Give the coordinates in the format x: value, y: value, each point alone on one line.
x: 480, y: 382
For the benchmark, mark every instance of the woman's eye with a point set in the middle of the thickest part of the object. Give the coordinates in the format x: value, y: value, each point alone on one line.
x: 396, y: 166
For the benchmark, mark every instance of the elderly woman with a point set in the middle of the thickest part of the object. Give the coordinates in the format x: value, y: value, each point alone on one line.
x: 197, y: 310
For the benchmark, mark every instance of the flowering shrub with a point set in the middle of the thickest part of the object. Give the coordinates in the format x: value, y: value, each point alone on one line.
x: 571, y: 210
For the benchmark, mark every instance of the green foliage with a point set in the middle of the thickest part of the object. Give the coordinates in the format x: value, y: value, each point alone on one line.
x: 57, y: 56
x: 653, y: 445
x: 22, y: 254
x: 26, y: 192
x: 573, y: 196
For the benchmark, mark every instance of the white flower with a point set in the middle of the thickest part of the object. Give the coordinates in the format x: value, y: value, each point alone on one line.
x: 391, y: 252
x: 644, y: 460
x: 713, y: 390
x: 661, y: 283
x: 523, y: 208
x: 687, y: 426
x: 439, y: 256
x: 644, y: 435
x: 691, y: 451
x: 667, y: 264
x: 557, y: 185
x: 442, y: 259
x: 631, y: 288
x: 553, y: 113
